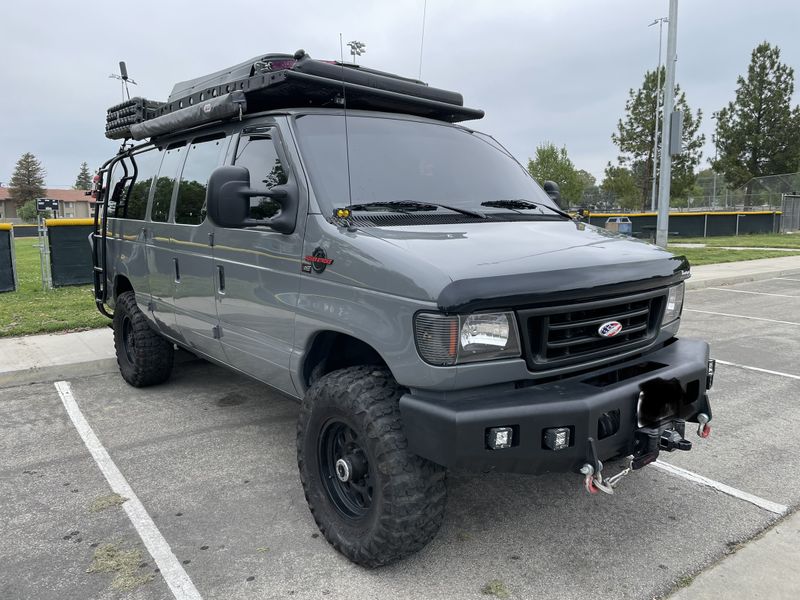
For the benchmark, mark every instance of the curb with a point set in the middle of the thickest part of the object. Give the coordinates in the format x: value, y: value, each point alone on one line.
x: 89, y: 368
x: 699, y: 284
x: 55, y: 372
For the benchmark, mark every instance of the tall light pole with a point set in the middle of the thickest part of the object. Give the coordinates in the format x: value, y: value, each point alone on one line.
x: 660, y: 22
x: 357, y: 49
x: 713, y: 168
x: 662, y: 223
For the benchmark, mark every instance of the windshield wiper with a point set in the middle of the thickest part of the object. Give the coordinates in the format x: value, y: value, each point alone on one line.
x: 523, y: 205
x: 413, y: 205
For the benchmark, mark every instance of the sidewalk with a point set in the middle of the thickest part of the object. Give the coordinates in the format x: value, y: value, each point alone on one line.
x: 764, y: 568
x: 53, y: 356
x: 743, y: 271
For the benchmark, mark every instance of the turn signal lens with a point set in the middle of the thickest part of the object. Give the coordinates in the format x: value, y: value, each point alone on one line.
x: 674, y: 303
x: 437, y: 338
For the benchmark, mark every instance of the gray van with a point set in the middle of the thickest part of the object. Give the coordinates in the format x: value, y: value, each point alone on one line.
x: 345, y: 242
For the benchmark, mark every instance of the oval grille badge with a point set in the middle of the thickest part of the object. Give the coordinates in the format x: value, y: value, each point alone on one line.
x: 610, y: 329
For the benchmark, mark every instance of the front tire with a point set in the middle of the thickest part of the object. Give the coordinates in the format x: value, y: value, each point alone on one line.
x: 372, y: 499
x: 144, y: 357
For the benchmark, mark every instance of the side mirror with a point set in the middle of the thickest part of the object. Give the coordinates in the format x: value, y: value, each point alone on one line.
x: 551, y: 189
x: 228, y: 201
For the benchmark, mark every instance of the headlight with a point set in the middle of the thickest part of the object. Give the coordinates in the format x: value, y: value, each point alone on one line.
x: 445, y: 340
x: 674, y: 303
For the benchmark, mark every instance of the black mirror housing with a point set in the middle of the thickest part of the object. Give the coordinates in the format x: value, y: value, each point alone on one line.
x: 551, y: 189
x: 228, y: 201
x: 225, y: 204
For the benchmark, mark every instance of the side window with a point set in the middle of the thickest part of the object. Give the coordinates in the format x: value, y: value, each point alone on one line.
x: 259, y: 156
x: 203, y: 158
x: 147, y: 166
x: 162, y: 196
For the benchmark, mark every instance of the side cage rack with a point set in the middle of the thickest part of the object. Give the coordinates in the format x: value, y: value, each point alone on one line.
x: 104, y: 198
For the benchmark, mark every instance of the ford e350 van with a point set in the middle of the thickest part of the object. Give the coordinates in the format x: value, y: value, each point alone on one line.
x: 331, y: 231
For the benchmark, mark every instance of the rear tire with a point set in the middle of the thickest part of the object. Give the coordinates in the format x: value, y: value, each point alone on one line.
x: 372, y: 499
x: 144, y: 357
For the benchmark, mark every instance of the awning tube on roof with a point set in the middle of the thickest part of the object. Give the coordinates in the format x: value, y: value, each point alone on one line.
x: 215, y: 109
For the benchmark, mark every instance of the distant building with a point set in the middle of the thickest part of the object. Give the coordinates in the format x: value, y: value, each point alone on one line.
x: 72, y: 204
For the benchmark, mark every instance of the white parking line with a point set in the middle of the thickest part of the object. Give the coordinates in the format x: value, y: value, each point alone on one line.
x: 774, y: 507
x: 749, y: 292
x: 711, y: 312
x: 759, y: 369
x: 176, y: 578
x: 786, y: 278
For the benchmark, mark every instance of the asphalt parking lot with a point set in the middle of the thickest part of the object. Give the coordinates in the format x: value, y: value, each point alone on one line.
x: 211, y: 458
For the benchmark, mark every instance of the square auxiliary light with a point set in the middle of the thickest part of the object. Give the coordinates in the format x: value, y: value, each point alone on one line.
x: 499, y: 438
x: 556, y: 438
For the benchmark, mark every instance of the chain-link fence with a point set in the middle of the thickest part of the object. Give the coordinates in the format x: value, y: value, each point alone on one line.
x: 711, y: 193
x: 760, y: 193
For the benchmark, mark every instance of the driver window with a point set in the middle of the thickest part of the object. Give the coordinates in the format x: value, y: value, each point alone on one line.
x: 259, y: 156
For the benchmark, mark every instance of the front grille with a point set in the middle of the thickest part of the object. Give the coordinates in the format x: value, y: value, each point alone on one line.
x: 559, y: 336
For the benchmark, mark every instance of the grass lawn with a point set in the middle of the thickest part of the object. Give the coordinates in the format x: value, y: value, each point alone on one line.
x: 708, y: 256
x: 757, y: 240
x: 33, y: 310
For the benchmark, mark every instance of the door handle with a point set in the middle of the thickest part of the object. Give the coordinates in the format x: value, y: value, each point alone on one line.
x: 221, y: 278
x: 177, y: 270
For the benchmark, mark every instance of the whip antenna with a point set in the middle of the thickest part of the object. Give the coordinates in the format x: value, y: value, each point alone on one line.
x: 346, y: 136
x: 123, y: 77
x: 422, y: 39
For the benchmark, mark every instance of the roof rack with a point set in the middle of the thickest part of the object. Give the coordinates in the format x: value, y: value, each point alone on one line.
x: 275, y: 81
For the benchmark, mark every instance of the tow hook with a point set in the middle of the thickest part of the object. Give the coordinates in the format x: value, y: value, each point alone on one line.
x: 593, y: 480
x: 703, y: 428
x: 593, y: 474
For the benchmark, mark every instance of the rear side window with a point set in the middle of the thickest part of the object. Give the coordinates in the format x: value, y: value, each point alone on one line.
x: 203, y: 158
x: 259, y: 156
x: 135, y: 206
x: 162, y: 196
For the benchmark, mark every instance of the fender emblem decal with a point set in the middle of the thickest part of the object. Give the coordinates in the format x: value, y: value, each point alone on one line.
x: 318, y: 261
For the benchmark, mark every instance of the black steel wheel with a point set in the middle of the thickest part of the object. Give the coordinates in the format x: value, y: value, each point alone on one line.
x: 144, y: 357
x: 372, y: 499
x: 128, y: 339
x: 345, y: 470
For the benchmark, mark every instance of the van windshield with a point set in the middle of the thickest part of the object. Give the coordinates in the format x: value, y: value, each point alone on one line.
x: 399, y: 160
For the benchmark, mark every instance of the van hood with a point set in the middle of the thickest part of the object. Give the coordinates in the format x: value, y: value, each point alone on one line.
x: 506, y: 264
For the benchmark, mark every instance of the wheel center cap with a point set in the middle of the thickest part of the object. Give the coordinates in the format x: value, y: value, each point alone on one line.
x: 343, y: 469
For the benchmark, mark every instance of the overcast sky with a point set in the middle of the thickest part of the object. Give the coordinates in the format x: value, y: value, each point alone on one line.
x: 556, y: 70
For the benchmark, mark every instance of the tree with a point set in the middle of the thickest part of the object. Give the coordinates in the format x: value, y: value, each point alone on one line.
x: 635, y: 137
x: 27, y: 212
x: 759, y: 132
x: 553, y: 164
x: 586, y: 178
x: 27, y: 182
x: 620, y: 183
x: 84, y: 179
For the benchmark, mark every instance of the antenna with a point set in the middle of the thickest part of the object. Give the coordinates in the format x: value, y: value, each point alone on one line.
x: 123, y: 77
x: 422, y: 39
x: 346, y: 136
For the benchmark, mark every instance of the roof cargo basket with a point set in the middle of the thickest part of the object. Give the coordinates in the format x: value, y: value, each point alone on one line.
x: 275, y: 81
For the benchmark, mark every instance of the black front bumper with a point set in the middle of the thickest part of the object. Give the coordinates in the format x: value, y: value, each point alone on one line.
x: 450, y: 428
